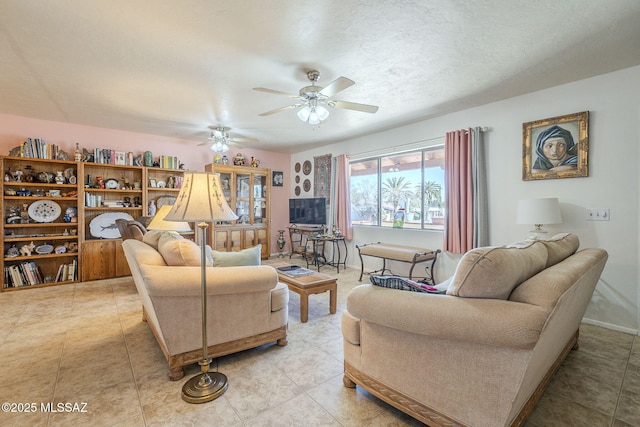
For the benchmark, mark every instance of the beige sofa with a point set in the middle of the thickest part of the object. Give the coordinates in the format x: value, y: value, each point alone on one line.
x: 247, y: 306
x: 483, y: 353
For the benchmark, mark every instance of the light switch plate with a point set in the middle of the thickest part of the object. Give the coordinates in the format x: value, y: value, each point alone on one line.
x: 597, y: 214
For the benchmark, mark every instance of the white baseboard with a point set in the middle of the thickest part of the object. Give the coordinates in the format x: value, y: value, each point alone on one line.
x: 611, y: 326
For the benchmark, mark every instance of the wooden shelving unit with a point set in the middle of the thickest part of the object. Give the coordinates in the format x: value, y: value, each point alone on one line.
x: 94, y: 256
x: 43, y: 214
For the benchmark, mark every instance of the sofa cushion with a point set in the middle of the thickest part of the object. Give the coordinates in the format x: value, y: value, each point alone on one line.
x: 249, y: 256
x: 152, y: 237
x: 493, y: 272
x: 178, y: 251
x: 560, y: 247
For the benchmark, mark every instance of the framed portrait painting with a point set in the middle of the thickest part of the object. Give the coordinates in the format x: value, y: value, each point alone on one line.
x: 277, y: 179
x: 556, y: 148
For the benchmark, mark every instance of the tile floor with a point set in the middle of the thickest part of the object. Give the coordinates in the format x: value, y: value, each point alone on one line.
x: 87, y: 343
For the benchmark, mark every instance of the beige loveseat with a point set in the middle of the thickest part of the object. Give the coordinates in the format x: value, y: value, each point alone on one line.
x: 483, y: 353
x: 247, y: 306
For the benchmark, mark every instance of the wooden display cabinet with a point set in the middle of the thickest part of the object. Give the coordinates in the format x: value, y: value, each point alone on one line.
x: 40, y: 213
x: 247, y: 191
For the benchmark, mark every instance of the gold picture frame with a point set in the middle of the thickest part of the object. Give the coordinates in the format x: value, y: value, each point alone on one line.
x: 557, y: 147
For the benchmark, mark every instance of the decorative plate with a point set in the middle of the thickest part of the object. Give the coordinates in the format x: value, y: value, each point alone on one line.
x: 297, y: 167
x: 306, y: 167
x: 44, y: 249
x: 297, y: 190
x: 297, y: 179
x: 306, y: 185
x: 165, y: 200
x: 69, y: 172
x: 104, y: 225
x: 44, y: 211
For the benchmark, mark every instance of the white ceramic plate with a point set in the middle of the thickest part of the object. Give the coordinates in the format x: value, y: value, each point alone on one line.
x: 44, y: 211
x: 104, y: 225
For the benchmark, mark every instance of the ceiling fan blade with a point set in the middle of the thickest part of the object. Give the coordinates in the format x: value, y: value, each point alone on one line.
x: 277, y: 110
x: 365, y: 108
x: 338, y: 85
x: 242, y: 139
x: 275, y: 92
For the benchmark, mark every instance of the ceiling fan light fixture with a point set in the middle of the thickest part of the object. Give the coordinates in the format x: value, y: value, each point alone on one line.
x: 303, y: 113
x: 313, y: 117
x: 323, y: 113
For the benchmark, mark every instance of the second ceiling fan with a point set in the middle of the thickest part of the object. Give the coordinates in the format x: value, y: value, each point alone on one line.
x: 314, y: 99
x: 220, y: 139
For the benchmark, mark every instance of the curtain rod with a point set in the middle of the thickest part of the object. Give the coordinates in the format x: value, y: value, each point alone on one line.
x: 401, y: 148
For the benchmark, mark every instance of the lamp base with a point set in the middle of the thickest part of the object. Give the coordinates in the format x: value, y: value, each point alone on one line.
x: 205, y: 387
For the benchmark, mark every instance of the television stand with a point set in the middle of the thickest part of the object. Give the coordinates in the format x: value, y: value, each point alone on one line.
x: 299, y: 236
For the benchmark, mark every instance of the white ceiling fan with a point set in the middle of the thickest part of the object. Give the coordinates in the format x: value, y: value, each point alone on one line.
x: 219, y: 140
x: 315, y: 98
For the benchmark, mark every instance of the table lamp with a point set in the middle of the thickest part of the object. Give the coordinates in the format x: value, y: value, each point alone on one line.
x: 159, y: 223
x: 201, y: 200
x: 538, y: 212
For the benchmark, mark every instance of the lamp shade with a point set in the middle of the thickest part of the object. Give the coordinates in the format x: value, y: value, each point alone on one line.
x: 538, y: 211
x: 201, y: 200
x: 158, y: 222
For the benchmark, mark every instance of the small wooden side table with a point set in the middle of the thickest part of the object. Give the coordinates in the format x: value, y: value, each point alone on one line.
x: 304, y: 286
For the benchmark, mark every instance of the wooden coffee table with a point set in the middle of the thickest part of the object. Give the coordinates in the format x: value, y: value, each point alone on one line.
x: 304, y: 286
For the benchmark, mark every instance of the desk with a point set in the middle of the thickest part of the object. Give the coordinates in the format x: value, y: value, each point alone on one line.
x: 319, y: 252
x: 299, y: 236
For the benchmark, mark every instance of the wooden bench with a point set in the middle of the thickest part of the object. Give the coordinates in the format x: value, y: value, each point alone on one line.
x: 400, y: 253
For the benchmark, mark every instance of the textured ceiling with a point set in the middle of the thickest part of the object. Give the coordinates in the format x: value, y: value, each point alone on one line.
x: 176, y: 67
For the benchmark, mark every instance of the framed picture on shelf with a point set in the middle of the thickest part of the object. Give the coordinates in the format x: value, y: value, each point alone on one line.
x: 277, y: 179
x: 152, y: 183
x: 557, y: 147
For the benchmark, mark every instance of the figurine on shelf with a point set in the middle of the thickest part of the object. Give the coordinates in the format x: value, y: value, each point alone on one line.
x: 238, y: 160
x: 13, y: 251
x: 171, y: 182
x: 152, y: 208
x: 26, y: 250
x: 137, y: 160
x: 100, y: 182
x: 126, y: 185
x: 254, y: 162
x: 77, y: 155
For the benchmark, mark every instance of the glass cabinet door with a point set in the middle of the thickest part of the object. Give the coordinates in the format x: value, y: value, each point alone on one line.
x: 259, y: 199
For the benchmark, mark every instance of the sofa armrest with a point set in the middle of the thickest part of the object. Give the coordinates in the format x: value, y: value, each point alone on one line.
x: 485, y: 321
x: 186, y: 281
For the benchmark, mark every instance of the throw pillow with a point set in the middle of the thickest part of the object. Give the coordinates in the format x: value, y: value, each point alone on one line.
x: 249, y: 256
x: 560, y: 246
x: 178, y: 251
x: 403, y: 284
x: 152, y: 237
x: 493, y: 272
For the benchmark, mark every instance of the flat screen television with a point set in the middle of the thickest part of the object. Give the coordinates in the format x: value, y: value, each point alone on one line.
x: 308, y: 211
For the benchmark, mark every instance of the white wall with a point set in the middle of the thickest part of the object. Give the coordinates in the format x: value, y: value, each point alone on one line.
x: 613, y: 101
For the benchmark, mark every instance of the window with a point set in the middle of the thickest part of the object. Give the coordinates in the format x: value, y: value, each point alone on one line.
x: 408, y: 186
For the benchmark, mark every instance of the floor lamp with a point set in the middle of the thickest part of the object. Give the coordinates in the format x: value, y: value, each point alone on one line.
x: 202, y: 201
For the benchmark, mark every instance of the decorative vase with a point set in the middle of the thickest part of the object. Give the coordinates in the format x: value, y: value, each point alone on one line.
x: 152, y: 208
x: 281, y: 242
x: 60, y: 178
x: 77, y: 156
x: 148, y: 158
